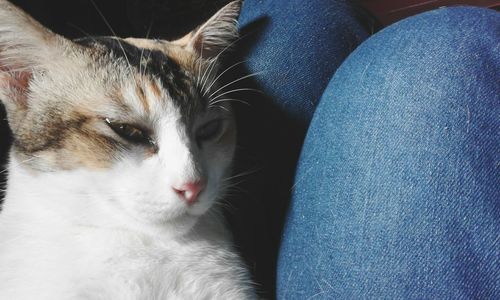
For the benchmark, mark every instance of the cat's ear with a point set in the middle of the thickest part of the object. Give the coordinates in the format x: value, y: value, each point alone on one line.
x: 216, y: 34
x: 24, y: 46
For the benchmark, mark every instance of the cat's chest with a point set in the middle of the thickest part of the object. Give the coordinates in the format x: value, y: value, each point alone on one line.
x: 154, y: 270
x: 122, y: 271
x: 86, y: 263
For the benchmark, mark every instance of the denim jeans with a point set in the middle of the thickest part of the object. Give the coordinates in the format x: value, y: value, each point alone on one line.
x: 297, y: 52
x: 396, y: 193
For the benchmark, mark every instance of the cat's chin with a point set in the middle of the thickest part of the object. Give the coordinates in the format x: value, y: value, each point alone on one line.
x: 177, y: 226
x: 180, y: 224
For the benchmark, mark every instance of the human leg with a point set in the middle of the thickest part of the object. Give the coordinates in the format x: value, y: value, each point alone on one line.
x: 297, y: 45
x: 396, y: 193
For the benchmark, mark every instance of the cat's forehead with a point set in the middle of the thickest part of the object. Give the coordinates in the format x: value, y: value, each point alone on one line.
x: 168, y: 73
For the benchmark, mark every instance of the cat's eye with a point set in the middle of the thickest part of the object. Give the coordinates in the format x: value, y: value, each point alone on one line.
x: 210, y: 130
x: 130, y: 132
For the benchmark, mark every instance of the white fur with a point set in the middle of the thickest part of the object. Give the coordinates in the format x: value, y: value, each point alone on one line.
x: 123, y: 232
x: 63, y: 236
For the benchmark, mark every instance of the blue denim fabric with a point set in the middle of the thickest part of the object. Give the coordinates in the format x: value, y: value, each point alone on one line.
x: 298, y: 45
x: 397, y: 193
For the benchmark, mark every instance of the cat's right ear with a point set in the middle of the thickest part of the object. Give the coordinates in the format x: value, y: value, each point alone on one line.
x: 216, y: 34
x: 24, y: 47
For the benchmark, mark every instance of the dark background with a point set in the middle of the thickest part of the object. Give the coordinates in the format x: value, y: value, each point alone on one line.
x: 168, y: 18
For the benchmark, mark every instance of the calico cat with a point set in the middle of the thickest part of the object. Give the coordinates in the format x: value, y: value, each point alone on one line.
x: 121, y: 149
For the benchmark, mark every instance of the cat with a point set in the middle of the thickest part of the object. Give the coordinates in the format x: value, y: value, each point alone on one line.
x: 122, y: 148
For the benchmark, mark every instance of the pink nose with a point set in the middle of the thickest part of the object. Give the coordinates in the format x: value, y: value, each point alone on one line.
x: 190, y: 191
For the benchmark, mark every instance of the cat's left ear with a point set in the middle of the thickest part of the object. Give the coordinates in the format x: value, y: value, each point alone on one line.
x: 216, y: 34
x: 25, y: 47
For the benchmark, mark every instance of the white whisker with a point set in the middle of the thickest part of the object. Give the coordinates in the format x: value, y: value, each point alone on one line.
x: 234, y: 81
x: 82, y: 31
x: 19, y: 164
x: 112, y: 31
x: 142, y: 49
x: 235, y: 90
x: 219, y: 54
x: 222, y: 73
x: 207, y: 73
x: 244, y: 173
x: 229, y: 100
x: 221, y: 107
x: 200, y: 65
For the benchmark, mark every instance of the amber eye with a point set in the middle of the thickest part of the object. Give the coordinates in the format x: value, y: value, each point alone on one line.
x: 210, y: 130
x: 130, y: 132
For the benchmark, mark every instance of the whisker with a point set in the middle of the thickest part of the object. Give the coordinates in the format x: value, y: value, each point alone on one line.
x: 220, y: 53
x: 229, y: 100
x: 200, y: 63
x: 244, y: 173
x: 19, y: 164
x: 146, y: 66
x: 211, y: 64
x: 82, y: 31
x: 236, y: 90
x: 221, y: 107
x: 235, y: 185
x: 142, y: 49
x: 112, y: 31
x: 203, y: 66
x: 222, y: 73
x: 232, y: 43
x: 234, y: 81
x: 248, y: 172
x: 225, y: 205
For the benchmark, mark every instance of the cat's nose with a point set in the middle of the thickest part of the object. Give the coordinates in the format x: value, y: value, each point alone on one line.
x: 189, y: 191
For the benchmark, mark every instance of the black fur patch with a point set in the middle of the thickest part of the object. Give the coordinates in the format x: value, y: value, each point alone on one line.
x: 154, y: 63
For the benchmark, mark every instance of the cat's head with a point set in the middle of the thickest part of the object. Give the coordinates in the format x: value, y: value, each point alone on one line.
x: 146, y: 117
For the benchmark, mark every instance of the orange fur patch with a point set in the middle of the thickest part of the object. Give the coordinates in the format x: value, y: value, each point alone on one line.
x: 154, y: 88
x: 142, y: 96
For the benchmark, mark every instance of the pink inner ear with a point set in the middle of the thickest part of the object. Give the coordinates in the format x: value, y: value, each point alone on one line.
x: 15, y: 83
